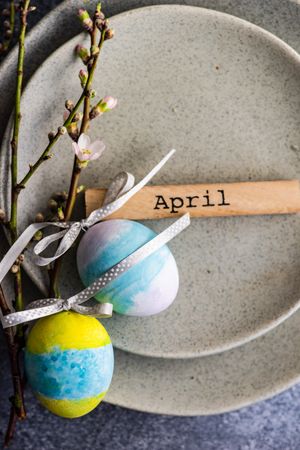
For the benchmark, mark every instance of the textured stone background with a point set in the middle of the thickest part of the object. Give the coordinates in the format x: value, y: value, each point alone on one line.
x: 269, y: 425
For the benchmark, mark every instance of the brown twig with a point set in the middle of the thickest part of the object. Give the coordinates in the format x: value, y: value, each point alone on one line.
x: 17, y: 401
x: 11, y: 427
x: 13, y: 222
x: 17, y: 121
x: 14, y: 338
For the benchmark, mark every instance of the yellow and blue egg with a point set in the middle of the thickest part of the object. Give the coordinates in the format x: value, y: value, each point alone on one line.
x: 69, y: 363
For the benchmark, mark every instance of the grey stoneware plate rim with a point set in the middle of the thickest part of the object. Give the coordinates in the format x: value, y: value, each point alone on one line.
x: 242, y: 337
x: 119, y: 393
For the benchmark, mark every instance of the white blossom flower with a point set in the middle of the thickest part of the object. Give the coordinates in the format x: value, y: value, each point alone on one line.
x: 85, y: 150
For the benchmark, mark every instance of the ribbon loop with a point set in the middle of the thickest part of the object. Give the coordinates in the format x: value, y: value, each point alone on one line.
x: 102, y: 311
x: 123, y: 182
x: 69, y: 236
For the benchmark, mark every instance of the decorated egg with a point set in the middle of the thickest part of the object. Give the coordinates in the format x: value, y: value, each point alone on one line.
x: 148, y: 287
x: 69, y: 363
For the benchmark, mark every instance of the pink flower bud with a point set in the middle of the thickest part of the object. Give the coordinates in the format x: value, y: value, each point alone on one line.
x: 83, y: 53
x: 83, y: 76
x: 85, y: 19
x: 107, y: 103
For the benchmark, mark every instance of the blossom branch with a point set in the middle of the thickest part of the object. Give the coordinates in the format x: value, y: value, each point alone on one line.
x: 45, y: 155
x: 14, y: 339
x: 17, y: 120
x: 84, y: 126
x: 95, y: 51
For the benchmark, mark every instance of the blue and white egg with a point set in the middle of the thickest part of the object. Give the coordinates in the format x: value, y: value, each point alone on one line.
x: 147, y: 288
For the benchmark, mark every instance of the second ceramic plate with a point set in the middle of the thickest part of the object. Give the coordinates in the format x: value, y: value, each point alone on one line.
x: 226, y: 94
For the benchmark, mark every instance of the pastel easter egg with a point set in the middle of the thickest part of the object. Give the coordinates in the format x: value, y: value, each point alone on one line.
x: 69, y: 363
x: 148, y: 287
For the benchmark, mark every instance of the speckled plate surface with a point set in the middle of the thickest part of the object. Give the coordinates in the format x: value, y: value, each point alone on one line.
x: 227, y: 97
x: 212, y: 384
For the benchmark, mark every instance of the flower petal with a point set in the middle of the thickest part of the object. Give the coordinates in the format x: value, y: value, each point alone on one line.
x: 97, y: 147
x: 95, y: 155
x: 84, y: 141
x: 77, y: 150
x: 113, y: 103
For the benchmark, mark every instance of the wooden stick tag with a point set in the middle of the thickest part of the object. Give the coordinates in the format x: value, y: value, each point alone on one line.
x: 206, y: 200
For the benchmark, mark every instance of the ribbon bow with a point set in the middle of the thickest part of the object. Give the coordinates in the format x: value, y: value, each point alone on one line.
x: 71, y: 230
x: 119, y: 192
x: 49, y: 306
x: 122, y: 183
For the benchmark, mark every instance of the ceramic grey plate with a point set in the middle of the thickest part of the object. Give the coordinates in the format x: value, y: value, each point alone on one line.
x: 227, y: 97
x: 255, y: 371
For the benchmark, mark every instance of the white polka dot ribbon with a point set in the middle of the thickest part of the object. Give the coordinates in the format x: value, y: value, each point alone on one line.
x: 120, y: 191
x: 49, y: 306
